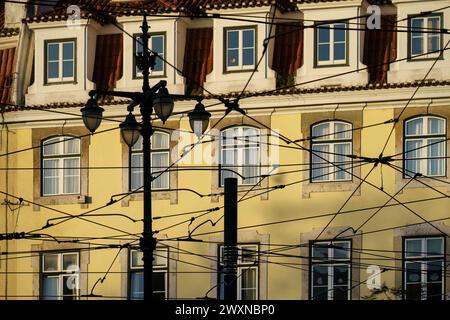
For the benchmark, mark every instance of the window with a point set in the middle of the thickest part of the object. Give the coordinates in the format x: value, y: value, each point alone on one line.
x: 136, y: 279
x: 424, y: 268
x: 156, y: 43
x: 331, y: 44
x: 332, y: 141
x: 330, y: 270
x: 425, y: 146
x: 60, y: 276
x: 60, y: 61
x: 240, y: 53
x: 247, y: 272
x: 240, y: 153
x: 421, y: 42
x: 61, y: 166
x: 160, y: 162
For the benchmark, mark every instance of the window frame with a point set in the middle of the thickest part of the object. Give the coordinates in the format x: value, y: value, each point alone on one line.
x: 331, y: 142
x: 330, y: 264
x: 423, y: 137
x: 152, y: 152
x: 60, y: 273
x: 240, y: 67
x: 424, y: 258
x: 243, y: 146
x: 60, y: 79
x: 241, y: 265
x: 60, y: 157
x: 156, y: 269
x: 153, y: 74
x: 433, y: 56
x: 331, y: 63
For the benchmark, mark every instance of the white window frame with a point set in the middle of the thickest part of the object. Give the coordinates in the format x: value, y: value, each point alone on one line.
x: 242, y: 266
x: 60, y: 157
x: 331, y: 44
x: 153, y: 73
x: 160, y: 265
x: 425, y: 137
x: 154, y: 151
x: 423, y: 258
x: 425, y: 38
x: 61, y: 273
x: 331, y: 141
x: 240, y: 66
x: 330, y: 263
x: 241, y: 143
x: 60, y: 61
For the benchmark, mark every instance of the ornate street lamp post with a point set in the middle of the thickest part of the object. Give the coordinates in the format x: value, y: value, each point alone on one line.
x: 155, y: 98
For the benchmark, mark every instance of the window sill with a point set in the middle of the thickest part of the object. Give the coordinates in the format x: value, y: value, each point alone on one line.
x: 82, y: 200
x: 330, y: 186
x: 60, y: 82
x: 416, y: 184
x: 331, y: 65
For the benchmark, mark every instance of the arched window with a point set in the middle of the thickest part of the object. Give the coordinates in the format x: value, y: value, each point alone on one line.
x: 240, y: 152
x: 60, y: 166
x: 424, y: 146
x: 331, y: 142
x: 160, y: 161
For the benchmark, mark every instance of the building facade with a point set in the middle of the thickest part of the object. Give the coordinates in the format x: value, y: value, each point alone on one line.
x: 341, y: 157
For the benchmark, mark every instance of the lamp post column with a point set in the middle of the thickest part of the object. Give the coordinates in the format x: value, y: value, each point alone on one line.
x: 148, y: 242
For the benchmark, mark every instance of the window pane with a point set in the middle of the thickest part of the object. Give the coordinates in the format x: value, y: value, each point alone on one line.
x: 248, y: 57
x: 340, y: 292
x: 342, y: 130
x: 251, y: 158
x: 249, y: 254
x: 233, y: 58
x: 323, y: 33
x: 53, y: 70
x: 339, y: 51
x: 341, y: 250
x: 68, y: 51
x: 324, y: 52
x: 136, y: 259
x: 320, y: 251
x: 413, y: 272
x: 414, y: 127
x: 233, y: 39
x: 50, y: 262
x: 68, y: 69
x: 321, y: 131
x: 71, y: 175
x: 50, y: 176
x: 413, y: 248
x: 412, y: 151
x: 50, y: 288
x: 320, y: 293
x: 229, y: 158
x: 248, y: 38
x: 417, y: 46
x: 320, y: 167
x: 137, y: 286
x: 160, y: 140
x: 70, y: 261
x: 53, y: 52
x: 435, y: 246
x: 436, y: 157
x: 416, y: 26
x: 436, y: 126
x: 138, y: 145
x: 320, y: 275
x: 136, y: 171
x: 248, y: 284
x: 340, y: 275
x: 434, y: 271
x: 250, y: 136
x: 158, y: 44
x: 340, y: 150
x: 70, y: 285
x: 159, y: 284
x: 339, y: 32
x: 51, y: 147
x: 160, y: 162
x: 413, y: 291
x: 71, y: 145
x: 434, y: 291
x: 160, y: 257
x: 433, y: 43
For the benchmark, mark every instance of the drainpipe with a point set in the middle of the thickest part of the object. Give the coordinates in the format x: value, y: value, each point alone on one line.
x: 6, y: 207
x: 265, y: 58
x: 175, y: 55
x: 85, y: 52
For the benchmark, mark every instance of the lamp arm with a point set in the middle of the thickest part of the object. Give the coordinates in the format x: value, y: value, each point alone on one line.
x: 135, y: 96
